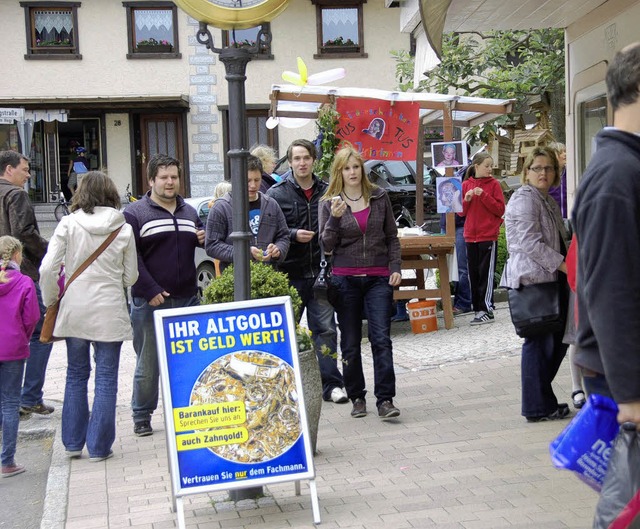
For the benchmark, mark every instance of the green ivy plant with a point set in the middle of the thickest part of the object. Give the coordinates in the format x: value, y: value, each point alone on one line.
x: 327, y: 123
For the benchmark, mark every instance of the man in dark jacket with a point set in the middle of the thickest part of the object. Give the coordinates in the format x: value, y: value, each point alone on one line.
x: 18, y: 219
x: 298, y: 196
x: 167, y: 231
x: 607, y: 226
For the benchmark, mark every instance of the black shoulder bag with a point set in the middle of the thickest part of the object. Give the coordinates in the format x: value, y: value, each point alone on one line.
x: 322, y: 289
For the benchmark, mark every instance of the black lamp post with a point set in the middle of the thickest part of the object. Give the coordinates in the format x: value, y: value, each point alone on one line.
x: 235, y: 62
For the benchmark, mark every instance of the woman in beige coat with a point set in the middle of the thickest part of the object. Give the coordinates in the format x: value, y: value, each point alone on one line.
x: 93, y: 309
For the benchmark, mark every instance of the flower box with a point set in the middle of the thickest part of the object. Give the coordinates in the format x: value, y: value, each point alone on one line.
x: 155, y: 48
x: 340, y: 49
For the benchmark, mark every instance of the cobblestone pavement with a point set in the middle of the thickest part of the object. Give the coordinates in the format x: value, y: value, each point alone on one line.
x: 459, y: 456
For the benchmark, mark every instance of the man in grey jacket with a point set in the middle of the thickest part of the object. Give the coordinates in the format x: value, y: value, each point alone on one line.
x: 270, y: 242
x: 18, y: 219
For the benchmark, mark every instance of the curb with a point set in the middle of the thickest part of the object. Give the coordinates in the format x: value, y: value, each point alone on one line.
x: 56, y: 498
x: 54, y: 508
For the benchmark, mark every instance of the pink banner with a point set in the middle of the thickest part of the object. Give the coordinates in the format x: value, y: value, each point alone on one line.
x: 380, y: 130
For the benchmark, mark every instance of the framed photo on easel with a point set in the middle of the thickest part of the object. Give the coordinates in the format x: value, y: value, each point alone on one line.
x: 449, y: 154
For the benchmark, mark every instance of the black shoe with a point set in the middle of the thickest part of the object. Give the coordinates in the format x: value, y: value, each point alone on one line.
x: 387, y: 410
x: 142, y: 429
x: 359, y: 408
x: 40, y: 409
x: 561, y: 413
x: 482, y: 318
x: 578, y: 398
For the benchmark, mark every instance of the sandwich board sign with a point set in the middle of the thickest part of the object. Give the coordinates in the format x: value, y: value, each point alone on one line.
x: 232, y: 395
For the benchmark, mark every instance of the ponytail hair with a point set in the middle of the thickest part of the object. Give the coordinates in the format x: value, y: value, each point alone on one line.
x: 9, y: 246
x: 478, y: 158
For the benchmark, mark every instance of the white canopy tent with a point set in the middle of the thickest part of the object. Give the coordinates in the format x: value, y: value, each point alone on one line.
x: 293, y: 105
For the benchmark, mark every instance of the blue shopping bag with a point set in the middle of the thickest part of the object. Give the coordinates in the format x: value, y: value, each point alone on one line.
x: 585, y: 445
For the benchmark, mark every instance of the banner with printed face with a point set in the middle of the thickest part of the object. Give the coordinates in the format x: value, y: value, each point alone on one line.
x: 379, y: 130
x: 232, y: 393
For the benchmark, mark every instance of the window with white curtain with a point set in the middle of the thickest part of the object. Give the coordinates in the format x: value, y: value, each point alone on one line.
x: 152, y: 30
x: 51, y: 30
x: 340, y: 28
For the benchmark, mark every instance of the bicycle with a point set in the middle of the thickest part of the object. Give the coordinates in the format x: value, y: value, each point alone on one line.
x: 62, y: 209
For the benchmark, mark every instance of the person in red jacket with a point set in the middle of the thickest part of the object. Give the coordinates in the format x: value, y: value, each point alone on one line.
x: 483, y: 207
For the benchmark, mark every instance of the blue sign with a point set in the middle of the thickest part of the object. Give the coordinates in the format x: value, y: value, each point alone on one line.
x: 232, y: 393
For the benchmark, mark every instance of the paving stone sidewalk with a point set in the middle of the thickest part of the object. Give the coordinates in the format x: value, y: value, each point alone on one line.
x: 459, y: 456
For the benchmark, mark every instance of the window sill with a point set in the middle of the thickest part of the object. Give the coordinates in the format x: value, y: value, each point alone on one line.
x: 53, y: 56
x: 172, y: 55
x: 342, y: 55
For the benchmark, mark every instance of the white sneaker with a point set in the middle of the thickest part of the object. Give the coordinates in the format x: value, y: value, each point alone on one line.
x: 339, y: 396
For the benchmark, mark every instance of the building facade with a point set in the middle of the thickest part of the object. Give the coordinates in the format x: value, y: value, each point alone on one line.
x: 128, y: 79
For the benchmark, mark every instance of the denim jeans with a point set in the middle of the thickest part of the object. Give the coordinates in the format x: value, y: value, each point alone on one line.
x: 98, y: 428
x: 10, y: 381
x: 375, y: 295
x: 541, y: 359
x: 322, y: 323
x: 144, y: 400
x: 462, y: 298
x: 37, y: 362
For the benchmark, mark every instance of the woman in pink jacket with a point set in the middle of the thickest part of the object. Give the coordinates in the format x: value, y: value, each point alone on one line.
x: 20, y: 313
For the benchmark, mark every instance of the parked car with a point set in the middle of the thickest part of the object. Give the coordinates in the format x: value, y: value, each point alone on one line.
x: 399, y: 179
x: 205, y: 269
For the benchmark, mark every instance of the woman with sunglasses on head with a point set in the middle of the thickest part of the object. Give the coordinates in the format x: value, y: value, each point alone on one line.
x: 537, y: 245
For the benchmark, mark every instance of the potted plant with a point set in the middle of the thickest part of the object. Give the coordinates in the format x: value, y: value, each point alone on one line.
x: 154, y: 46
x: 267, y: 282
x: 59, y: 45
x: 339, y: 45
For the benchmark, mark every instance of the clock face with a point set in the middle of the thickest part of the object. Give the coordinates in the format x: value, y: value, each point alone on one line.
x: 233, y: 14
x: 237, y: 3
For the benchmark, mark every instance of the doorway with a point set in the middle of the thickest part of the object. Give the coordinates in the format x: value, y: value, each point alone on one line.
x: 153, y: 134
x: 85, y: 132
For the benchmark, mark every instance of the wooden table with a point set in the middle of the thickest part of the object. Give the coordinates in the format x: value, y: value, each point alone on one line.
x: 428, y: 252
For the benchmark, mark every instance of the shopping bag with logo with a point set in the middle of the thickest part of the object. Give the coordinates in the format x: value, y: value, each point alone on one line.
x: 584, y: 446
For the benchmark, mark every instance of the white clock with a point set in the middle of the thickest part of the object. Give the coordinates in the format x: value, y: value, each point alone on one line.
x: 233, y: 14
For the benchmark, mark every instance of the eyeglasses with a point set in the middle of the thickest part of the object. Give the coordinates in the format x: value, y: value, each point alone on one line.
x: 545, y: 169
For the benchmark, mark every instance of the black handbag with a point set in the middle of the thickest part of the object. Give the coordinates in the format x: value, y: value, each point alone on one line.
x: 322, y: 289
x: 537, y: 309
x: 321, y: 284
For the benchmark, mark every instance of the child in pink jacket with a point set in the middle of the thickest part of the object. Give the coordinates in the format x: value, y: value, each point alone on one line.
x: 20, y: 314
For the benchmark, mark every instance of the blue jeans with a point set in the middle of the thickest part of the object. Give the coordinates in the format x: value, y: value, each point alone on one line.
x: 144, y: 400
x: 322, y: 323
x: 541, y: 359
x: 462, y: 298
x: 37, y: 362
x: 375, y: 295
x: 98, y: 428
x: 10, y: 381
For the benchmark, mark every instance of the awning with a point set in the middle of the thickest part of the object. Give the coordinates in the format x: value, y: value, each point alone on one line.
x: 291, y: 101
x: 45, y: 115
x: 433, y: 14
x: 107, y: 103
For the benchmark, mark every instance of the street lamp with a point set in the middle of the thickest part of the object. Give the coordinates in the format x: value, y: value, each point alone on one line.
x: 236, y: 14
